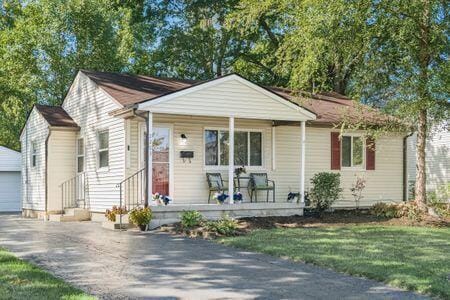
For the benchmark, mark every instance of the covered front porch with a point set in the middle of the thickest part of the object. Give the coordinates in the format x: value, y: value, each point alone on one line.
x: 216, y: 135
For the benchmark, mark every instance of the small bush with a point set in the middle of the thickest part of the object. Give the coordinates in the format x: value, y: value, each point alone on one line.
x: 390, y: 210
x: 325, y: 191
x: 225, y: 226
x: 141, y: 216
x: 384, y: 210
x: 111, y: 214
x: 191, y: 218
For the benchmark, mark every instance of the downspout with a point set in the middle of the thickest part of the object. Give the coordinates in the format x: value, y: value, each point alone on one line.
x: 405, y: 166
x: 46, y: 172
x: 145, y: 117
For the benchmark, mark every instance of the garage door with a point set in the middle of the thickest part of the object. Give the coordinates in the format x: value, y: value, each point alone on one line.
x: 10, y: 191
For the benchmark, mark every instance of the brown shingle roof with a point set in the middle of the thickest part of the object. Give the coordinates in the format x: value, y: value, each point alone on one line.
x: 330, y: 107
x: 56, y: 116
x: 128, y: 89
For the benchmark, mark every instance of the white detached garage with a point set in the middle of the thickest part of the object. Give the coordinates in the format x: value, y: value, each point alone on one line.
x: 10, y: 180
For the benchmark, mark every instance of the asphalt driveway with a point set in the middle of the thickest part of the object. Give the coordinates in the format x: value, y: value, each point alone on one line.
x: 130, y: 265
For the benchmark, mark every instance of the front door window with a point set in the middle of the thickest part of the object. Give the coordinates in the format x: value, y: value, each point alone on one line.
x: 161, y: 160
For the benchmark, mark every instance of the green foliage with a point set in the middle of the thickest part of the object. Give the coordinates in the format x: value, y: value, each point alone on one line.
x: 414, y: 258
x: 191, y: 218
x: 385, y: 210
x: 225, y: 226
x: 141, y: 216
x: 391, y: 210
x: 111, y: 214
x: 326, y: 190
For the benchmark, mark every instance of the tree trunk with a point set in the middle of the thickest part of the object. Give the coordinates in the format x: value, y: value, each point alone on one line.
x: 420, y: 190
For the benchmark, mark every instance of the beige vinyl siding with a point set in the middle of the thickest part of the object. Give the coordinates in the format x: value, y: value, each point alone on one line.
x: 437, y: 159
x: 33, y: 178
x: 133, y: 144
x: 229, y: 98
x: 383, y: 184
x: 90, y: 106
x: 61, y: 165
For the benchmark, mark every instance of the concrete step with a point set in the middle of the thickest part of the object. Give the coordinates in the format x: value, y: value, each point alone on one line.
x: 71, y: 215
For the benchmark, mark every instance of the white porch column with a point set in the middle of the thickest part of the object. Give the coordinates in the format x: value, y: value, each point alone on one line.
x: 302, y: 164
x: 150, y: 157
x: 231, y: 160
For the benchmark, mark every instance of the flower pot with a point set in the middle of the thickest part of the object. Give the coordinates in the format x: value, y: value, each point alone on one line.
x: 143, y: 227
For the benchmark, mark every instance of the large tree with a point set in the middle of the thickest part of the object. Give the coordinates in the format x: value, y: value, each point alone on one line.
x: 193, y: 41
x: 43, y: 43
x: 407, y: 68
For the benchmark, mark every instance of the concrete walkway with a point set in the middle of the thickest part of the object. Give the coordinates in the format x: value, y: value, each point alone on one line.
x: 130, y: 265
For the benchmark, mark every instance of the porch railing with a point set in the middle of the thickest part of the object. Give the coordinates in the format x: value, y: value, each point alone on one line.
x: 73, y: 192
x: 132, y: 190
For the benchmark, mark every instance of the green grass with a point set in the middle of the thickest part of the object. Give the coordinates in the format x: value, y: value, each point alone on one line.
x: 22, y: 280
x: 415, y: 258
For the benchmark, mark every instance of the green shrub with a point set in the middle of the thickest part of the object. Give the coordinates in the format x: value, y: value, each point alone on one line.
x: 325, y: 191
x: 111, y: 214
x: 385, y: 210
x: 225, y: 226
x: 141, y: 216
x: 191, y: 218
x: 391, y: 210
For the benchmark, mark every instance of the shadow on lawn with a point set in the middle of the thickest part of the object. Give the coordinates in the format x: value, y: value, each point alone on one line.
x: 414, y: 258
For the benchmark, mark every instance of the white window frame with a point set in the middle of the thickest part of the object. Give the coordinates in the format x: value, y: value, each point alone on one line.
x: 34, y: 155
x: 225, y: 167
x: 106, y: 168
x: 81, y: 155
x: 363, y: 164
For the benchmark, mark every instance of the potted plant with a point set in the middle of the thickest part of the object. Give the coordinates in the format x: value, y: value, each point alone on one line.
x: 141, y: 216
x: 111, y: 214
x: 220, y: 197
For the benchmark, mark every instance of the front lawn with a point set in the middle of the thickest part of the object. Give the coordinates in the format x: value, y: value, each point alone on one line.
x: 22, y: 280
x: 415, y: 258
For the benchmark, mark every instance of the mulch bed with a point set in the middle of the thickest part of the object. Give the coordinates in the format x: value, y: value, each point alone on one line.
x: 336, y: 218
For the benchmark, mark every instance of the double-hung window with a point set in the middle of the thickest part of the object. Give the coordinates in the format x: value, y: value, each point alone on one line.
x: 103, y: 149
x: 33, y: 154
x: 352, y: 151
x: 80, y: 155
x: 247, y: 148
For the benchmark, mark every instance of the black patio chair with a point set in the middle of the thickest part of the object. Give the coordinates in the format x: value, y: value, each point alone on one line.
x: 215, y: 183
x: 260, y: 182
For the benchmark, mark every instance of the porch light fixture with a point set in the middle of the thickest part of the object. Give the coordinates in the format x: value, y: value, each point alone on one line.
x: 183, y: 139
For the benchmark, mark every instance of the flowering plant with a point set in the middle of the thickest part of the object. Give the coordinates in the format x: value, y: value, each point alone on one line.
x: 240, y: 170
x: 220, y: 197
x: 237, y: 196
x: 357, y: 189
x: 110, y: 214
x: 160, y: 199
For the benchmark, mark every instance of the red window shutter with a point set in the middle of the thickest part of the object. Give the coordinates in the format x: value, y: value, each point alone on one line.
x: 335, y: 151
x: 370, y: 154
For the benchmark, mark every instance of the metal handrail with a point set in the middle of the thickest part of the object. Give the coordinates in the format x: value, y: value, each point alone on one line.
x: 73, y: 191
x: 133, y: 188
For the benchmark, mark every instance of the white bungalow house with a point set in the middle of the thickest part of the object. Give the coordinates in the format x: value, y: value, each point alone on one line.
x: 91, y: 152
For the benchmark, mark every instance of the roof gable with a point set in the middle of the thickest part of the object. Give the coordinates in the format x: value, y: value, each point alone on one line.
x: 230, y: 95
